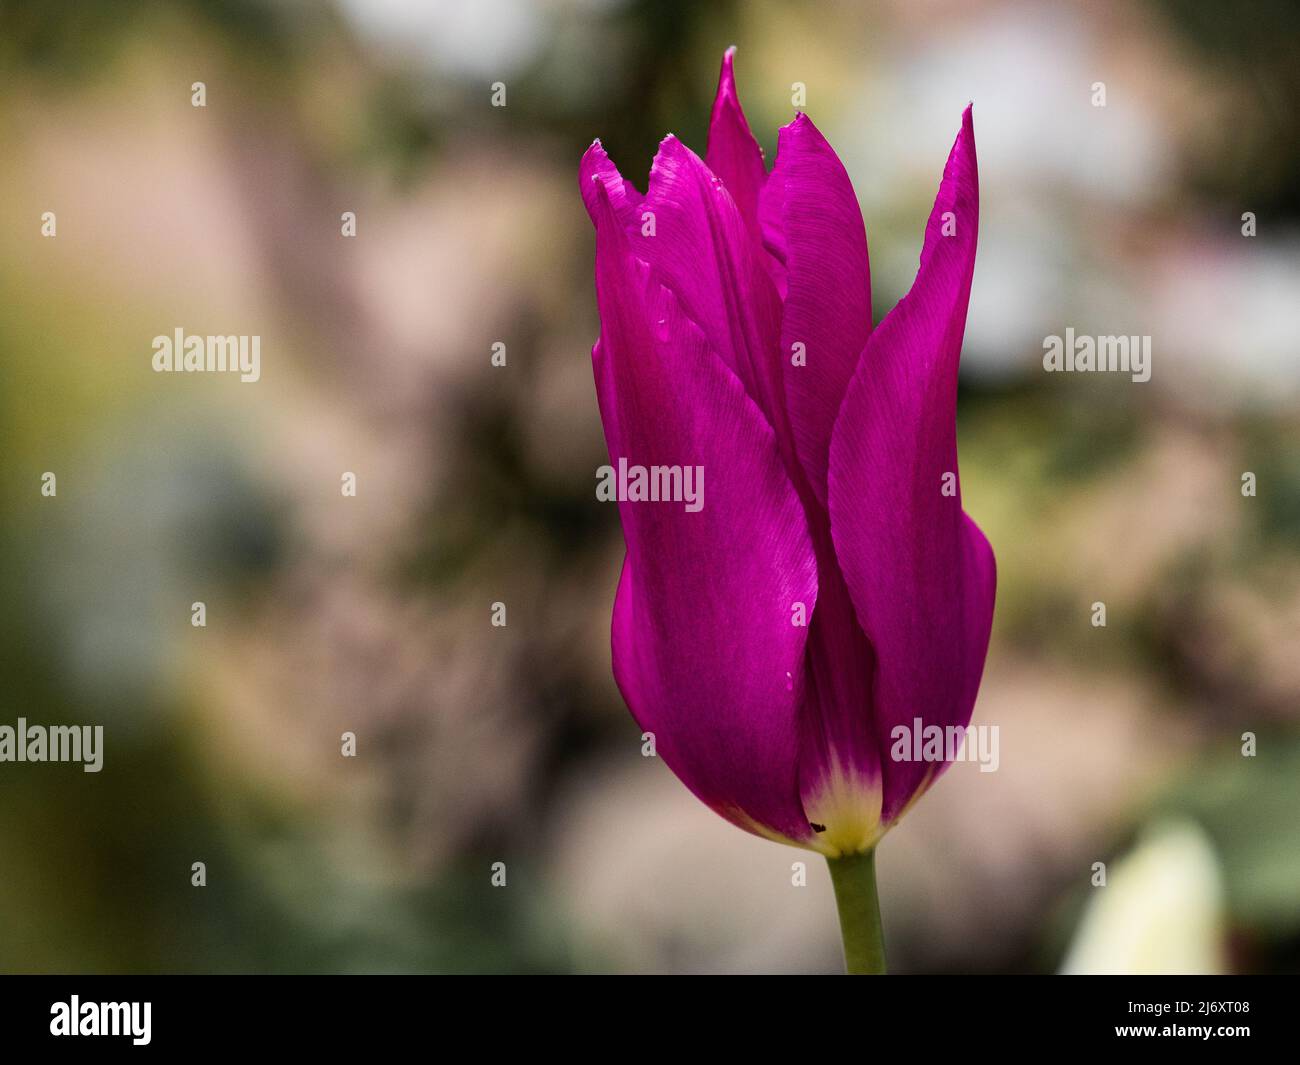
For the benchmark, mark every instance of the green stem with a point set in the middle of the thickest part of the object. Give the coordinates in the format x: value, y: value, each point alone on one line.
x: 854, y: 877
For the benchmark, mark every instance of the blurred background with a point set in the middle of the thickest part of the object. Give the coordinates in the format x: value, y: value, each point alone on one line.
x: 475, y: 484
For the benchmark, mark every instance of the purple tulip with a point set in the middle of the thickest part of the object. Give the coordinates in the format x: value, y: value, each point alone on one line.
x: 736, y: 338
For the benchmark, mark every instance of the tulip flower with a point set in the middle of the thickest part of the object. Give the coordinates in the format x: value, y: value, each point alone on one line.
x: 830, y: 589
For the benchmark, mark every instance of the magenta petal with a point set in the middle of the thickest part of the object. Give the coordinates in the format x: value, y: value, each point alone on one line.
x: 828, y: 288
x: 704, y: 650
x: 597, y: 168
x: 702, y: 251
x: 920, y: 573
x: 733, y: 153
x: 689, y: 230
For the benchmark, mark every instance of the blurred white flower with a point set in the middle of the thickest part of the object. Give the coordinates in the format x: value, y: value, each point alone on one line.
x: 1161, y: 911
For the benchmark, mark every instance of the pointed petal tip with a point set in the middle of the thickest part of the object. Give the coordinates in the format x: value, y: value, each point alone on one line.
x: 799, y: 122
x: 964, y: 145
x: 732, y: 153
x: 599, y: 206
x: 604, y: 192
x: 593, y: 161
x: 802, y: 127
x: 670, y: 145
x: 727, y: 94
